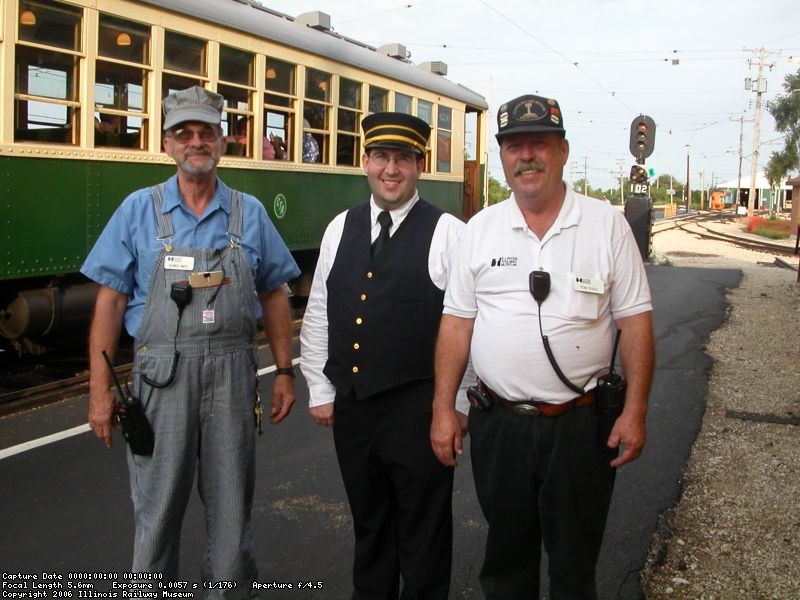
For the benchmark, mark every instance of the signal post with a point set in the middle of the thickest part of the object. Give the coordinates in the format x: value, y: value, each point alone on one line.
x: 638, y: 206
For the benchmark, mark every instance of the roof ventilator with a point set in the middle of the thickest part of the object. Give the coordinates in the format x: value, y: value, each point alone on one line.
x: 438, y: 67
x: 398, y: 51
x: 316, y: 20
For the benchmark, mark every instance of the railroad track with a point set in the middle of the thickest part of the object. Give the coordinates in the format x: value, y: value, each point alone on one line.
x: 57, y: 390
x: 50, y: 392
x: 695, y: 225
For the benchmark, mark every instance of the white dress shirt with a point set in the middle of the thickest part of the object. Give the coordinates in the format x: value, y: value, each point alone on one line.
x: 314, y: 332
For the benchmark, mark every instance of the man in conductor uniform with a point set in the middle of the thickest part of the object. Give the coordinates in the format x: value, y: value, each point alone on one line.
x: 367, y: 346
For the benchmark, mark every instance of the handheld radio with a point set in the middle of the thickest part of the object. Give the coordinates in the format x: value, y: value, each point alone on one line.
x: 609, y: 398
x: 135, y: 428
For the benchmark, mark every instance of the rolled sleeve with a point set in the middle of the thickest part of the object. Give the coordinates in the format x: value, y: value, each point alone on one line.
x: 274, y: 264
x: 459, y: 297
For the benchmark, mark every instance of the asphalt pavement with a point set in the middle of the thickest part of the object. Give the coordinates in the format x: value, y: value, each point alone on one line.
x: 65, y: 506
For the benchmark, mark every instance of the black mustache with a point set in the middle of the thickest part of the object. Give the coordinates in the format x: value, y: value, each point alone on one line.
x: 529, y: 165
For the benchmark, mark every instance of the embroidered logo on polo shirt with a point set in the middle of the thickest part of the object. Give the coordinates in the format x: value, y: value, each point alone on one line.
x: 505, y: 261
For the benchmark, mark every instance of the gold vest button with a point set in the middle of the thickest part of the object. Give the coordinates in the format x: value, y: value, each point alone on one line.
x: 363, y: 297
x: 355, y: 369
x: 369, y: 275
x: 356, y: 346
x: 359, y: 320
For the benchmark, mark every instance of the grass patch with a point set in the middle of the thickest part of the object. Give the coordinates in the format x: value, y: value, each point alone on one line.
x: 662, y: 261
x: 775, y: 229
x: 771, y: 234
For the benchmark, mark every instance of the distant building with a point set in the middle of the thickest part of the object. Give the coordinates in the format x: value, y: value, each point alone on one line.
x: 765, y: 195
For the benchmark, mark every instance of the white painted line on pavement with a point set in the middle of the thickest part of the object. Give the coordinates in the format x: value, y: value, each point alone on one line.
x: 55, y: 437
x: 271, y: 369
x: 43, y: 441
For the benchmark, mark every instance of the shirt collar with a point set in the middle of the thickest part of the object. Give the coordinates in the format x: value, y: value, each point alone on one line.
x: 397, y: 215
x: 568, y: 216
x: 173, y: 197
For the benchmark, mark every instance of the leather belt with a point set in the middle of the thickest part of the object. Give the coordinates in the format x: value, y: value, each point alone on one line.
x: 532, y: 408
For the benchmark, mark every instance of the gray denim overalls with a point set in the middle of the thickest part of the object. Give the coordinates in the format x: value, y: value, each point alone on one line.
x: 203, y: 418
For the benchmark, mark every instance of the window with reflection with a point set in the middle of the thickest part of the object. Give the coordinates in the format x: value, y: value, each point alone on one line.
x: 471, y: 136
x: 236, y: 78
x: 184, y: 53
x: 316, y: 116
x: 184, y: 62
x: 46, y: 107
x: 280, y: 101
x: 378, y: 99
x: 402, y: 103
x: 425, y: 112
x: 120, y: 118
x: 348, y: 136
x: 444, y: 137
x: 122, y: 39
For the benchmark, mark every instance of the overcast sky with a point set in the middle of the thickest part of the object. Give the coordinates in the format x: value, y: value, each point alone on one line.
x: 605, y: 61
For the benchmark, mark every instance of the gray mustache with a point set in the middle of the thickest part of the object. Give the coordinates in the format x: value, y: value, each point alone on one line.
x: 529, y: 165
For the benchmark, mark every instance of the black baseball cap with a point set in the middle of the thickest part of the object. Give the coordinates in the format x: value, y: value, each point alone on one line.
x: 529, y: 114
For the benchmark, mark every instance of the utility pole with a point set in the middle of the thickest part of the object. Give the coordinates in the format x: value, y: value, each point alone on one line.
x: 739, y: 181
x: 702, y: 188
x: 741, y: 120
x: 688, y: 185
x: 761, y: 87
x: 585, y: 173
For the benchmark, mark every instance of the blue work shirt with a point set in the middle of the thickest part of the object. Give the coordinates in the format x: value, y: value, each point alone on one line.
x: 123, y: 258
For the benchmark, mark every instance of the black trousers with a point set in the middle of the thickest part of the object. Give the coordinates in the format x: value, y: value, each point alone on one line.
x: 540, y: 479
x: 400, y: 495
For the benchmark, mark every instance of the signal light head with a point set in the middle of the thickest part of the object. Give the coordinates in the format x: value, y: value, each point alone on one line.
x: 643, y: 134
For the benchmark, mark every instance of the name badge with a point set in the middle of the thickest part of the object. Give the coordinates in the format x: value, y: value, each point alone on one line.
x: 587, y: 284
x: 208, y: 317
x: 179, y: 263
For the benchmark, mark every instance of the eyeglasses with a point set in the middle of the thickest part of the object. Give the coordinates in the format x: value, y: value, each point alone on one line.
x: 402, y: 160
x: 184, y: 135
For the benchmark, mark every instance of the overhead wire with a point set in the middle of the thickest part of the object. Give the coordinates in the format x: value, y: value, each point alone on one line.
x: 576, y: 64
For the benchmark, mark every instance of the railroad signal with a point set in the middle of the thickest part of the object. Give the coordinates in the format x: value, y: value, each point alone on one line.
x: 638, y: 174
x: 643, y: 137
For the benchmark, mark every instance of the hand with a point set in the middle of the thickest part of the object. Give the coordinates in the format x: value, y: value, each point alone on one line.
x: 447, y: 431
x: 322, y: 414
x: 282, y: 398
x: 101, y: 414
x: 630, y: 431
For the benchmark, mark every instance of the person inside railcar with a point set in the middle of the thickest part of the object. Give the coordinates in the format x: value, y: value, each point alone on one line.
x: 311, y: 153
x: 367, y: 355
x: 537, y: 285
x: 188, y: 266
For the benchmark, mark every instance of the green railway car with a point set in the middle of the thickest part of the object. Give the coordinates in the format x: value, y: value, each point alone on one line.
x: 80, y: 128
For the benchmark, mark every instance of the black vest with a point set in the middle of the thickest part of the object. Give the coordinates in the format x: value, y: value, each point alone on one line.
x: 383, y: 314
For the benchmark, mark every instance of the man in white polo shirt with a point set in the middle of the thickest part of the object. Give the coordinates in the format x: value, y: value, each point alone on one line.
x: 538, y: 285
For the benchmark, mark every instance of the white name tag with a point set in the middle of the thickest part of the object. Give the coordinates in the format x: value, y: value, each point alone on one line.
x: 179, y: 263
x: 208, y: 317
x: 586, y: 284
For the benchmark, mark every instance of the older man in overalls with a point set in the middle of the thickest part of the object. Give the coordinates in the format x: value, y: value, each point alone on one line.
x: 189, y: 266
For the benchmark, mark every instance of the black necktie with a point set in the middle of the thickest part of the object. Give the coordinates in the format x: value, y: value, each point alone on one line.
x: 385, y: 221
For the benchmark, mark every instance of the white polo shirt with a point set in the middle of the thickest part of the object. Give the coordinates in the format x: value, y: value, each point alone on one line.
x: 488, y: 281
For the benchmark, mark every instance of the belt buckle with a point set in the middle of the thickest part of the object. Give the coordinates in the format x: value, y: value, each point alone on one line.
x: 526, y: 410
